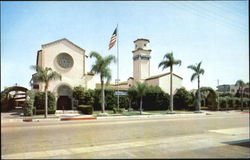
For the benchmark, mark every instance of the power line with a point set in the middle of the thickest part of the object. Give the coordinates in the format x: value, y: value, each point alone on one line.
x: 210, y: 17
x: 211, y: 14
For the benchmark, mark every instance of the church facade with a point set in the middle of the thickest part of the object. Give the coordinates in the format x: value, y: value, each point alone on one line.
x: 70, y: 61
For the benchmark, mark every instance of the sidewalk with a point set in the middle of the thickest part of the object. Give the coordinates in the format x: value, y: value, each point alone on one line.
x: 15, y: 117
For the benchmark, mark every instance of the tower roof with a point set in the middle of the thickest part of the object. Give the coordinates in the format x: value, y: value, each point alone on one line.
x: 142, y: 39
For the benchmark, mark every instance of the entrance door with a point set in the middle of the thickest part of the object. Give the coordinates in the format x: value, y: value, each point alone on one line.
x: 64, y: 102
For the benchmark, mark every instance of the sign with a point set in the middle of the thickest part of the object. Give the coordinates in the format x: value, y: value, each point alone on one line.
x: 120, y: 93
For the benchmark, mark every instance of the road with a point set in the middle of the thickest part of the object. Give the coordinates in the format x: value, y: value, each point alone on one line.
x: 220, y: 135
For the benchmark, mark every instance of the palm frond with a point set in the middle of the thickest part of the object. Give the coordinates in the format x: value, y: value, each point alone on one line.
x: 96, y: 55
x: 194, y: 76
x: 202, y: 71
x: 193, y: 67
x: 169, y: 56
x: 54, y: 75
x: 107, y: 60
x: 164, y: 64
x: 177, y: 62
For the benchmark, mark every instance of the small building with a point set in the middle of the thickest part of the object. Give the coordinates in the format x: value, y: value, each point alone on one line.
x: 70, y: 61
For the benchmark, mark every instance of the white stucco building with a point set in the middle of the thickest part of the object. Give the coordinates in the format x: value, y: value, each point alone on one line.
x: 70, y: 61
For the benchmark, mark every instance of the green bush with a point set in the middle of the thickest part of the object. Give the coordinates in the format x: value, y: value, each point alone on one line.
x: 86, y: 109
x: 155, y: 99
x: 223, y: 101
x: 39, y: 102
x: 29, y: 104
x: 28, y: 108
x: 183, y: 99
x: 78, y: 94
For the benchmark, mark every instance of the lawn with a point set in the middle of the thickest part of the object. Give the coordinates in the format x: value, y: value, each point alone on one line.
x: 132, y: 113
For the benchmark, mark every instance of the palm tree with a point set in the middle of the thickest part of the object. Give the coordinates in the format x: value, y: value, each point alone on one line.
x: 197, y: 72
x: 45, y: 76
x: 141, y: 92
x: 101, y: 67
x: 240, y: 84
x: 169, y: 61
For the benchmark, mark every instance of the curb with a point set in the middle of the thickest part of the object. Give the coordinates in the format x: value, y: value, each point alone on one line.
x: 149, y: 116
x: 79, y: 118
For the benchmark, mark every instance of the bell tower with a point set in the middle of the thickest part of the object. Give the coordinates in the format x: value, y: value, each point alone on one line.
x: 141, y: 60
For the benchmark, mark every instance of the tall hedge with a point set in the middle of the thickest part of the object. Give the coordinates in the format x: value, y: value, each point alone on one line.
x: 39, y: 102
x: 29, y: 104
x: 110, y: 100
x: 183, y: 100
x: 155, y: 99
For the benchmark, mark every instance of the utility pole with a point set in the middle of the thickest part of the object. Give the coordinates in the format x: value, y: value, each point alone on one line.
x: 218, y: 82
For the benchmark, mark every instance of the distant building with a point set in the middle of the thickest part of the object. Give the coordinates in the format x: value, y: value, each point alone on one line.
x: 232, y: 89
x: 223, y: 88
x: 69, y: 60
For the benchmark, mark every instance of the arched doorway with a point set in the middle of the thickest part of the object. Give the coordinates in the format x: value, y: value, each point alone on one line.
x: 64, y: 101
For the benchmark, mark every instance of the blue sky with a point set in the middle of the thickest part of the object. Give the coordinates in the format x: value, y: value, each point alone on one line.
x: 214, y: 32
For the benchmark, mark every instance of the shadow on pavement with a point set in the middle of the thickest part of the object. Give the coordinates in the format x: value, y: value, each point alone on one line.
x: 242, y: 143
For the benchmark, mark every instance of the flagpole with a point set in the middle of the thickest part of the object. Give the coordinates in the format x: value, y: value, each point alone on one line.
x: 117, y: 67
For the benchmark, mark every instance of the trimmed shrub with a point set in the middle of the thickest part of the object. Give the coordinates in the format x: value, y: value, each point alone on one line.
x: 155, y: 99
x: 86, y: 109
x: 88, y: 97
x: 39, y: 102
x: 183, y: 99
x: 78, y: 94
x: 29, y: 104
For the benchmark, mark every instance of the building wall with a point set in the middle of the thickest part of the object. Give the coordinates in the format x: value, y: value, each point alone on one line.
x: 90, y: 82
x: 140, y: 44
x: 136, y: 70
x: 153, y: 82
x: 144, y: 69
x: 164, y: 83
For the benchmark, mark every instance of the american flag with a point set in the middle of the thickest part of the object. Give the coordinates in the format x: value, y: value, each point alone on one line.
x: 113, y: 39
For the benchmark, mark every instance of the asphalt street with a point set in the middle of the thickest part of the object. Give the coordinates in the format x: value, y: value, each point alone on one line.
x: 220, y: 135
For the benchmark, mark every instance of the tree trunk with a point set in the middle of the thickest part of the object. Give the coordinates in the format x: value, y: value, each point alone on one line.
x: 102, y: 96
x: 199, y: 96
x: 241, y: 100
x: 171, y: 90
x: 46, y: 104
x: 129, y: 108
x: 141, y: 106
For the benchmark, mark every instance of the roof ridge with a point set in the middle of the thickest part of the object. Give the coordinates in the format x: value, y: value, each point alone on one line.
x: 63, y: 39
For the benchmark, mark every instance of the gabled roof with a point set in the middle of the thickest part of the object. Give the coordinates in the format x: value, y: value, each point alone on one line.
x: 63, y: 39
x: 161, y: 75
